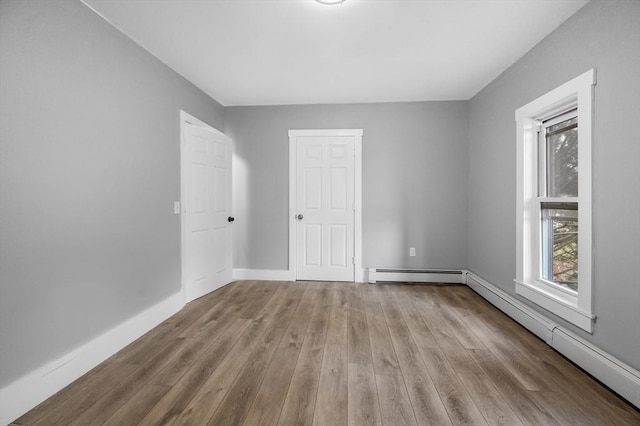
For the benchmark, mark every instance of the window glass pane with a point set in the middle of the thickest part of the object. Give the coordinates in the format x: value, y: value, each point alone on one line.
x: 560, y: 245
x: 562, y: 159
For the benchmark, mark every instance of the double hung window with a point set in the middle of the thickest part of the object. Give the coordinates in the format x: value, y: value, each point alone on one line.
x: 557, y: 197
x: 554, y: 201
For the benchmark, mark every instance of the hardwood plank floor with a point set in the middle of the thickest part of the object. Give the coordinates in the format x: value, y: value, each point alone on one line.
x: 300, y: 402
x: 363, y: 398
x: 427, y: 404
x: 395, y: 406
x: 312, y: 353
x: 331, y: 402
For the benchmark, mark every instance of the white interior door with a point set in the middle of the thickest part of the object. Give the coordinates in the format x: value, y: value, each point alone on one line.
x: 206, y: 174
x: 325, y: 208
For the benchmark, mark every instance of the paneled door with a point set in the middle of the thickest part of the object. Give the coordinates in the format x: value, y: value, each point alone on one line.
x: 325, y: 208
x: 206, y: 175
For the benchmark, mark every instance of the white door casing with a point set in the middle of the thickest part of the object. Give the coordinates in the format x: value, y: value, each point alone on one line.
x: 206, y: 206
x: 325, y: 201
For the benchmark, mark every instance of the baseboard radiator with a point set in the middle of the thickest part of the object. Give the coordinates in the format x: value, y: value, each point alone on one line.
x: 619, y: 376
x: 377, y: 275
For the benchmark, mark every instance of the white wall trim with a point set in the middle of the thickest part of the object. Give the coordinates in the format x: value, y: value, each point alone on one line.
x: 359, y: 273
x: 263, y: 274
x: 278, y: 275
x: 30, y: 390
x: 455, y: 276
x: 326, y: 132
x: 622, y: 378
x: 527, y: 317
x: 576, y: 93
x: 553, y: 303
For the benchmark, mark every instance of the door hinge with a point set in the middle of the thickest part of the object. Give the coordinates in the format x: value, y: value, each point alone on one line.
x: 353, y: 260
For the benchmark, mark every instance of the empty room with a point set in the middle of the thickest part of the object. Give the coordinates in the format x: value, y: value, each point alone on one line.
x: 319, y: 212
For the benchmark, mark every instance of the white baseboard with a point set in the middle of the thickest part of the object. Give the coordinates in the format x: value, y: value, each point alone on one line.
x: 530, y: 319
x: 415, y: 275
x: 27, y: 392
x: 263, y: 274
x: 622, y: 378
x: 30, y: 390
x: 279, y: 275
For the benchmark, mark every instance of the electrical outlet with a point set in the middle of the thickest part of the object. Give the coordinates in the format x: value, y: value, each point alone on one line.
x: 412, y: 251
x: 176, y: 207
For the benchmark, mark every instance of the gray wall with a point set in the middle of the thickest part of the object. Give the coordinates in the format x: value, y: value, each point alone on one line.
x: 414, y: 180
x: 604, y: 35
x: 90, y: 169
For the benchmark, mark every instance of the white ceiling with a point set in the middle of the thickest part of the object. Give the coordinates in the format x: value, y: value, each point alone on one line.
x: 275, y: 52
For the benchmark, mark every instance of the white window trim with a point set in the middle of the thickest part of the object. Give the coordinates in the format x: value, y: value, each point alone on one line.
x: 575, y: 309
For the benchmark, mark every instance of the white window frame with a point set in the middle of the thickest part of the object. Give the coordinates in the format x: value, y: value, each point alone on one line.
x: 575, y: 308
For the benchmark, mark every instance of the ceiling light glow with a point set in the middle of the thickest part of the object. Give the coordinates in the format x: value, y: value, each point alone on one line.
x: 330, y: 2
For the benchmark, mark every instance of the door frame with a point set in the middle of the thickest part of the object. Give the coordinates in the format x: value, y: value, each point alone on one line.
x: 188, y: 119
x: 357, y: 196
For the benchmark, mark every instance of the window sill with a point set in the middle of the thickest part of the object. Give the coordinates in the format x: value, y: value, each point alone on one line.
x: 565, y: 308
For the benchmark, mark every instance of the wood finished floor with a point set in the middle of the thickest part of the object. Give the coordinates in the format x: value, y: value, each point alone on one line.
x: 275, y: 353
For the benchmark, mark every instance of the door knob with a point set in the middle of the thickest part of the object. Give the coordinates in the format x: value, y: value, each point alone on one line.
x: 300, y: 217
x: 231, y: 218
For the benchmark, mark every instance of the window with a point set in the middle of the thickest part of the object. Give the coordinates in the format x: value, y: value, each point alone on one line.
x: 554, y: 201
x: 557, y: 192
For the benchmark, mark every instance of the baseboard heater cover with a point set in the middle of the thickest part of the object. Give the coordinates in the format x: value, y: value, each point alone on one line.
x: 619, y: 376
x: 416, y: 275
